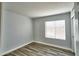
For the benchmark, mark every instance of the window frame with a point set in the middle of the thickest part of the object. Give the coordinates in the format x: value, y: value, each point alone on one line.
x: 55, y: 30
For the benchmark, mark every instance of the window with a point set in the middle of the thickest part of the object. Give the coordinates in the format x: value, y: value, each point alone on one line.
x: 55, y: 29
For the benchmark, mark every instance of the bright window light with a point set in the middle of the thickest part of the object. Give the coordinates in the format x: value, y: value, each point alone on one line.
x: 55, y: 29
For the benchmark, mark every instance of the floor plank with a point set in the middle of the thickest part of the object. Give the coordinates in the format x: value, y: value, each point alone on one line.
x: 37, y: 49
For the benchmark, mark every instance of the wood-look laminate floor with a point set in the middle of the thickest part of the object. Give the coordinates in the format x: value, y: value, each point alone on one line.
x: 37, y: 49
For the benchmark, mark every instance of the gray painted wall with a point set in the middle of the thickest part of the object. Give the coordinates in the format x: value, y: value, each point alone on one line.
x: 39, y: 31
x: 16, y: 30
x: 77, y: 34
x: 0, y: 24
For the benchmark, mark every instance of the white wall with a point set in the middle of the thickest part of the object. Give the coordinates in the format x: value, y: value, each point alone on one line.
x: 16, y: 30
x: 39, y: 30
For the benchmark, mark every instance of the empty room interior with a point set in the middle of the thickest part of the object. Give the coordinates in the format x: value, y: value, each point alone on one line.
x: 39, y: 28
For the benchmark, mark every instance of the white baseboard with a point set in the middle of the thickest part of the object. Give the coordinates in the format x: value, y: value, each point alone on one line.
x: 54, y: 45
x: 36, y: 42
x: 14, y: 49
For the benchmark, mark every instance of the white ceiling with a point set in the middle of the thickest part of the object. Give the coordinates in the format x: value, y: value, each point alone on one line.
x: 39, y: 9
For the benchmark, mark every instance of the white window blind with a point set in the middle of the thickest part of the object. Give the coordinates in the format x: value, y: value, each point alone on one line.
x: 55, y: 29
